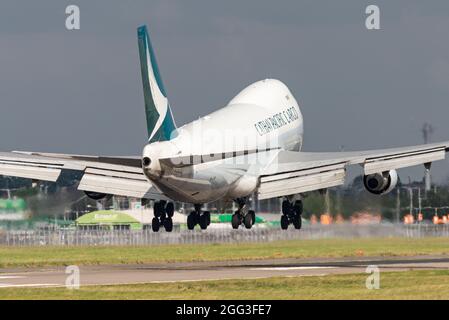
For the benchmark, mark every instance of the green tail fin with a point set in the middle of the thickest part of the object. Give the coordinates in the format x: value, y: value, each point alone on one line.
x: 160, y: 123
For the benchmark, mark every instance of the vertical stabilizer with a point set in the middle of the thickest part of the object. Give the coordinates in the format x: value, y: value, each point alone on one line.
x: 160, y: 123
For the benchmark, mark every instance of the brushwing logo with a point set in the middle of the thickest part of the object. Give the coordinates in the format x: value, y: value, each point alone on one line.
x: 160, y: 123
x: 159, y: 99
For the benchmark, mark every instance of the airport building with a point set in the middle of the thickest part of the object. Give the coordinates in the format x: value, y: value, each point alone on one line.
x: 108, y: 220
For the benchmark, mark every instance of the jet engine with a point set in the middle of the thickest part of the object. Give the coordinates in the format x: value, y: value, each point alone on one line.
x: 381, y: 183
x: 96, y: 195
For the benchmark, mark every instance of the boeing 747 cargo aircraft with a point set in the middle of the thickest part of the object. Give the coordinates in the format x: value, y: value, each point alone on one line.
x: 251, y: 146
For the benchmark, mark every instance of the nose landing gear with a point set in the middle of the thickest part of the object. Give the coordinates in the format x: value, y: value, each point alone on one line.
x: 243, y: 215
x: 163, y: 213
x: 291, y: 214
x: 199, y: 217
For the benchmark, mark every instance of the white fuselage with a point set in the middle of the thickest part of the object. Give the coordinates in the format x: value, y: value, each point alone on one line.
x: 264, y: 116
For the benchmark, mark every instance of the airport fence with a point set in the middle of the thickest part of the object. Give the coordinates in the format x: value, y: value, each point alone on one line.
x: 221, y: 235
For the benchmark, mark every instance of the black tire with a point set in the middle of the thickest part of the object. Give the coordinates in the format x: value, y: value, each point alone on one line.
x: 236, y: 220
x: 191, y: 220
x: 168, y: 224
x: 284, y: 222
x: 207, y: 214
x: 155, y: 225
x: 286, y: 207
x: 162, y: 218
x: 203, y: 221
x: 157, y: 209
x: 170, y: 209
x: 253, y: 216
x: 297, y: 222
x: 298, y: 207
x: 248, y: 221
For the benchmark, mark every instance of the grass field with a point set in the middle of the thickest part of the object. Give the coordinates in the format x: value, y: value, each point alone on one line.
x: 393, y: 285
x: 52, y: 256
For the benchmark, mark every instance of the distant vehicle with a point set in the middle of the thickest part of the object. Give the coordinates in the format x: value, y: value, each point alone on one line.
x: 251, y: 145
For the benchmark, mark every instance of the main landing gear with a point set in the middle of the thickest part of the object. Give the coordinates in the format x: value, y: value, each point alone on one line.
x: 198, y: 217
x: 291, y: 214
x: 243, y: 215
x: 163, y: 213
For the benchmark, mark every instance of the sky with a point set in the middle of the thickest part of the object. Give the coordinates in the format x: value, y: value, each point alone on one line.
x: 80, y: 91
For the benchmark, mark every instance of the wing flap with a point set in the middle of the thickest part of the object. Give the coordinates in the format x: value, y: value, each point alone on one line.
x: 29, y: 167
x: 297, y: 172
x: 112, y: 175
x: 118, y: 186
x: 117, y: 174
x: 292, y: 174
x: 381, y: 164
x: 30, y: 172
x: 300, y: 184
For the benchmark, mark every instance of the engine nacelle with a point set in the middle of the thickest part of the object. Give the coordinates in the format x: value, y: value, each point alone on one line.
x: 381, y: 183
x: 96, y: 195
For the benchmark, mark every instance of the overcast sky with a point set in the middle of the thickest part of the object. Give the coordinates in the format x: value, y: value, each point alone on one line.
x: 80, y: 91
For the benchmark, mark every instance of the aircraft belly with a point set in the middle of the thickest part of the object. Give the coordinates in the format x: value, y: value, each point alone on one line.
x: 199, y: 187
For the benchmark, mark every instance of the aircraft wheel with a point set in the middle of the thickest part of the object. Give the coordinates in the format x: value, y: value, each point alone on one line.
x: 236, y: 220
x: 248, y: 221
x: 158, y: 209
x: 163, y: 217
x: 168, y: 224
x: 170, y: 209
x: 253, y: 216
x: 203, y: 221
x: 297, y: 221
x: 286, y: 207
x: 191, y: 220
x: 284, y: 222
x: 207, y: 214
x: 155, y: 225
x: 298, y: 207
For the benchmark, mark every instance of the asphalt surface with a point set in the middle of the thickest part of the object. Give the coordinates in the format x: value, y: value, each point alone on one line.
x: 251, y: 269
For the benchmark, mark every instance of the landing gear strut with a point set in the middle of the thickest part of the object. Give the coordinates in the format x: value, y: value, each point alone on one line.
x: 198, y: 217
x: 291, y: 214
x: 243, y: 215
x: 163, y: 213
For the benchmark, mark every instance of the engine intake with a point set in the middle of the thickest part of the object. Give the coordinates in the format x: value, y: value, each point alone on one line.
x: 96, y: 195
x: 381, y: 183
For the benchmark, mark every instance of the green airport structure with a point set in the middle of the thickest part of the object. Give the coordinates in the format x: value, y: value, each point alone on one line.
x: 108, y: 220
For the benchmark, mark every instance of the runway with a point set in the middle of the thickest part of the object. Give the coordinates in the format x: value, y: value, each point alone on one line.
x: 200, y: 271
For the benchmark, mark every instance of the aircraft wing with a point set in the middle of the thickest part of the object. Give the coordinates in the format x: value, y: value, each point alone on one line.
x: 111, y: 175
x: 298, y: 172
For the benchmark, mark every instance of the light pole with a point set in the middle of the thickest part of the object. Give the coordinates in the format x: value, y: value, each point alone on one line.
x: 411, y: 208
x: 398, y: 205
